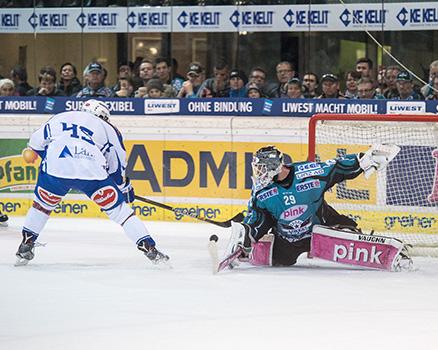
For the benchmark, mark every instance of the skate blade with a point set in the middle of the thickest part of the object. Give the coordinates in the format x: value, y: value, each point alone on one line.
x: 21, y: 262
x: 163, y: 263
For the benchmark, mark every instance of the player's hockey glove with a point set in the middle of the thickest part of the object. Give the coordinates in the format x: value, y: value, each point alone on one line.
x: 127, y: 190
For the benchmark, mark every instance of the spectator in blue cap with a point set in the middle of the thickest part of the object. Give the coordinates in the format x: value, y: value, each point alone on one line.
x: 95, y: 86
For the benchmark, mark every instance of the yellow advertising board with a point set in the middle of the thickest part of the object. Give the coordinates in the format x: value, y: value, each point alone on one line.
x: 208, y: 178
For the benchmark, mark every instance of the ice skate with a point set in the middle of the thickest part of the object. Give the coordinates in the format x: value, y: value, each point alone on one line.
x: 26, y: 249
x: 403, y: 262
x: 3, y: 220
x: 151, y: 252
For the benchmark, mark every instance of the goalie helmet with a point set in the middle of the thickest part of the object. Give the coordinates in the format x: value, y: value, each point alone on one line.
x: 97, y: 108
x: 266, y: 164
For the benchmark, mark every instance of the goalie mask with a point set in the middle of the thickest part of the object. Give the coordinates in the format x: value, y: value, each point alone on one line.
x: 266, y: 164
x: 97, y: 108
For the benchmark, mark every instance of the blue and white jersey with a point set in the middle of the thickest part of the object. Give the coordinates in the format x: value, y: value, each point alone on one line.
x: 291, y: 207
x: 79, y: 145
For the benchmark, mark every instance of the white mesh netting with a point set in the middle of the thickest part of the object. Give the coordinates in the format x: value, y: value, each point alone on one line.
x: 403, y: 199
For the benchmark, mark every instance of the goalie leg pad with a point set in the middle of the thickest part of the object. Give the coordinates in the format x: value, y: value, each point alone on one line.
x: 261, y: 253
x: 352, y: 248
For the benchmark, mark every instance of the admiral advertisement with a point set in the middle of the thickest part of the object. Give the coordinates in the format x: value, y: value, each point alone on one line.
x: 265, y: 18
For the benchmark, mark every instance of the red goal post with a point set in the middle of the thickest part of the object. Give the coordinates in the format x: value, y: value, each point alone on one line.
x: 401, y: 200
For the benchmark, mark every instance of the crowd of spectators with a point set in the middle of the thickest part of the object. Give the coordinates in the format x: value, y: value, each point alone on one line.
x: 160, y: 79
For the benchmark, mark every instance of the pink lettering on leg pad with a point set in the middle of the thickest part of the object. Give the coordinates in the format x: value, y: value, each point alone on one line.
x: 350, y: 248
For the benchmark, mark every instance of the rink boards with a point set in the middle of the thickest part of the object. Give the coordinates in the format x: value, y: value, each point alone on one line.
x: 203, y: 165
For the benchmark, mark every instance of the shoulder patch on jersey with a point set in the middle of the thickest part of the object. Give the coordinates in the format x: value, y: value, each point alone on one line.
x: 48, y: 197
x: 262, y: 196
x: 307, y: 166
x: 307, y: 185
x: 105, y: 197
x: 293, y: 212
x: 303, y: 175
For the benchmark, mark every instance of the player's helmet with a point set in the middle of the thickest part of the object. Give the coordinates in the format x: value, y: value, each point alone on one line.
x: 97, y: 108
x: 266, y: 164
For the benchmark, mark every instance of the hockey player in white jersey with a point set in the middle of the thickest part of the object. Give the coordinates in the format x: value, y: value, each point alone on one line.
x: 81, y: 150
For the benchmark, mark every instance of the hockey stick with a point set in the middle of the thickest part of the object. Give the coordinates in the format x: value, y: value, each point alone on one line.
x: 239, y: 217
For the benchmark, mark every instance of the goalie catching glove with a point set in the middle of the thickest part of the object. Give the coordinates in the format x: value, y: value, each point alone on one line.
x: 238, y: 239
x: 377, y: 158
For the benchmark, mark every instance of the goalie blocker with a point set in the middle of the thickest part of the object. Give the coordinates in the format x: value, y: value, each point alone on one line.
x: 347, y: 247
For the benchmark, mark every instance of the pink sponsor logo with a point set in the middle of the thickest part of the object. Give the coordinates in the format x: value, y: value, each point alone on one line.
x: 293, y: 212
x: 105, y: 197
x: 365, y: 254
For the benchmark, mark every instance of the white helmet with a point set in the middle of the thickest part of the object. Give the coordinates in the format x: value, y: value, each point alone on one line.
x: 97, y: 108
x: 266, y: 164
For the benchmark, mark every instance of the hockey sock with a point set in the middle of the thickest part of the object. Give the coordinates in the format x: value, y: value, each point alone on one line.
x: 135, y: 229
x: 35, y: 220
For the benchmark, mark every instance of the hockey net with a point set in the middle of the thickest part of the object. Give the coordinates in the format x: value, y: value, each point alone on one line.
x: 402, y: 200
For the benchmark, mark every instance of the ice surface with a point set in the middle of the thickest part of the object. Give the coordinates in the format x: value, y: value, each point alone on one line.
x: 89, y: 288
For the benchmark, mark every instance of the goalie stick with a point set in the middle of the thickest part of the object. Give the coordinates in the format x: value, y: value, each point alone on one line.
x: 239, y: 217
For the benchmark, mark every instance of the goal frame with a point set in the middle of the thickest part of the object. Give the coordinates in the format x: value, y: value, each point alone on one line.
x: 419, y: 248
x: 311, y: 153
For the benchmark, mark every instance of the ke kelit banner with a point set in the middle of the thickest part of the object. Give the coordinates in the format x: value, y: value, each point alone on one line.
x: 184, y: 19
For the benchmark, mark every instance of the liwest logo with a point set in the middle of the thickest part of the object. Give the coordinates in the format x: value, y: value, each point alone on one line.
x: 161, y: 106
x: 405, y: 107
x: 303, y: 17
x: 293, y: 212
x: 418, y: 16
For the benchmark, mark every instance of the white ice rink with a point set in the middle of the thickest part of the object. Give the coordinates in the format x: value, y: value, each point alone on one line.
x: 90, y: 288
